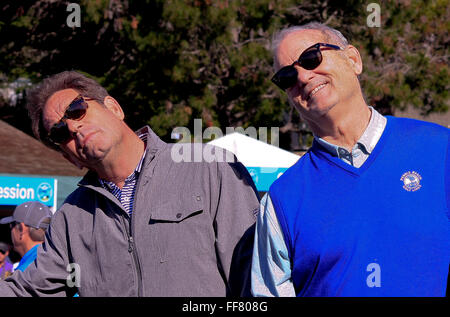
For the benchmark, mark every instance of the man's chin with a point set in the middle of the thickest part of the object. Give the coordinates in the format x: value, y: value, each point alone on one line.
x: 92, y: 158
x: 314, y: 109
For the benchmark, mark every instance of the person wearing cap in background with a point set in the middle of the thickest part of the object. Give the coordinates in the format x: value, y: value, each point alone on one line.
x: 28, y: 225
x: 6, y: 268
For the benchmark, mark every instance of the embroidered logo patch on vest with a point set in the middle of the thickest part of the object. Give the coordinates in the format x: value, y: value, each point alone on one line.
x: 411, y: 181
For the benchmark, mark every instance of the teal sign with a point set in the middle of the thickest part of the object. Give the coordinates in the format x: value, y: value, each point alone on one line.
x: 263, y: 177
x: 17, y: 190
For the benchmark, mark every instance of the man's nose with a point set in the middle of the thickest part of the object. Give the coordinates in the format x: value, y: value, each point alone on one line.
x: 303, y: 75
x: 73, y: 125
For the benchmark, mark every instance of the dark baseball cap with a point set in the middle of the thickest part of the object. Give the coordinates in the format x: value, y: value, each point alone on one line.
x: 31, y: 213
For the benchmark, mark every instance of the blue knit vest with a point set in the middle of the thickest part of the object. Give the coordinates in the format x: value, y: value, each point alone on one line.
x: 379, y: 230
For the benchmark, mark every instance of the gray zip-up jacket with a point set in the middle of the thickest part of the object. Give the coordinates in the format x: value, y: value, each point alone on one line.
x: 190, y: 234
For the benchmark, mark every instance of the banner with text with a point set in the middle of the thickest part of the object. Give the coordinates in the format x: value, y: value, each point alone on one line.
x: 17, y: 190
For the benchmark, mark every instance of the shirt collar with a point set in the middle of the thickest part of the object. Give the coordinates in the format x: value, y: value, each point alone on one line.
x: 366, y: 142
x: 373, y: 131
x: 31, y: 254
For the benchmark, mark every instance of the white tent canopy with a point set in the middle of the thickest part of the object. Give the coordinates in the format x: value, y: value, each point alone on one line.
x: 255, y: 153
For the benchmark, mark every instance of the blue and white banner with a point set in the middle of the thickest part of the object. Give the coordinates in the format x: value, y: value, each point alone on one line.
x: 263, y: 177
x: 17, y: 190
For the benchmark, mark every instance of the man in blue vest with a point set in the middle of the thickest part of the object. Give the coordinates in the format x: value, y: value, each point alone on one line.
x: 28, y: 224
x: 365, y: 212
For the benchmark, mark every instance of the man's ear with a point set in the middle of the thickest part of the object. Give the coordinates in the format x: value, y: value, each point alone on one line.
x: 21, y: 226
x: 71, y: 160
x: 354, y: 59
x: 114, y: 107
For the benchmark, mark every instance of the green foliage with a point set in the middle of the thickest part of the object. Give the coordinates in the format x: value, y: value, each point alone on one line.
x: 169, y: 62
x: 406, y: 61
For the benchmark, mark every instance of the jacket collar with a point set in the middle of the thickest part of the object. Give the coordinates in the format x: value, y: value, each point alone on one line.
x: 154, y: 143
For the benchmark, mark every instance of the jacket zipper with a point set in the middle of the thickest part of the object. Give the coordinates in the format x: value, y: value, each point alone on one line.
x: 131, y: 245
x: 132, y: 250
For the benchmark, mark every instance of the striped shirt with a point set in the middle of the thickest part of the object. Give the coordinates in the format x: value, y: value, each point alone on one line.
x: 126, y: 194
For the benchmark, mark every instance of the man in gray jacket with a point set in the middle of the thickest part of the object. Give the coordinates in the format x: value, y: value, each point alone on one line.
x: 140, y: 223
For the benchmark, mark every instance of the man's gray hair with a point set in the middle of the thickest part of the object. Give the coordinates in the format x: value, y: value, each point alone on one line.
x: 330, y: 34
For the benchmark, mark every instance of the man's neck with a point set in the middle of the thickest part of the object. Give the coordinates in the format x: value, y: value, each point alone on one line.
x: 25, y: 245
x: 343, y: 126
x: 123, y: 161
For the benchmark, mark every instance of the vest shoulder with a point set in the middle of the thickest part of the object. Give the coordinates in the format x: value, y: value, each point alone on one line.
x: 290, y: 178
x: 414, y: 125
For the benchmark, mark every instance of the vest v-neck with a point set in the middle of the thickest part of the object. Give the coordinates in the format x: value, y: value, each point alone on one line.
x: 336, y: 161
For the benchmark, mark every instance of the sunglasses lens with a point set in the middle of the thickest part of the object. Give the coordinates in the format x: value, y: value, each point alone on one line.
x: 59, y: 133
x: 285, y: 77
x: 77, y: 109
x: 310, y: 58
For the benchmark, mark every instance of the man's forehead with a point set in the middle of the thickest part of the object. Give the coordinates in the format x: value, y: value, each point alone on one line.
x: 304, y: 38
x: 61, y: 96
x: 56, y: 105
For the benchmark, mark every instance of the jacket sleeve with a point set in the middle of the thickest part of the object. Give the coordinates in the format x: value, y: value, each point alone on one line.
x: 237, y: 205
x: 47, y: 275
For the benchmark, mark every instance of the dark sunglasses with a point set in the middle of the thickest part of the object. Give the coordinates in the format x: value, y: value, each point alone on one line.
x: 310, y: 58
x: 59, y: 133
